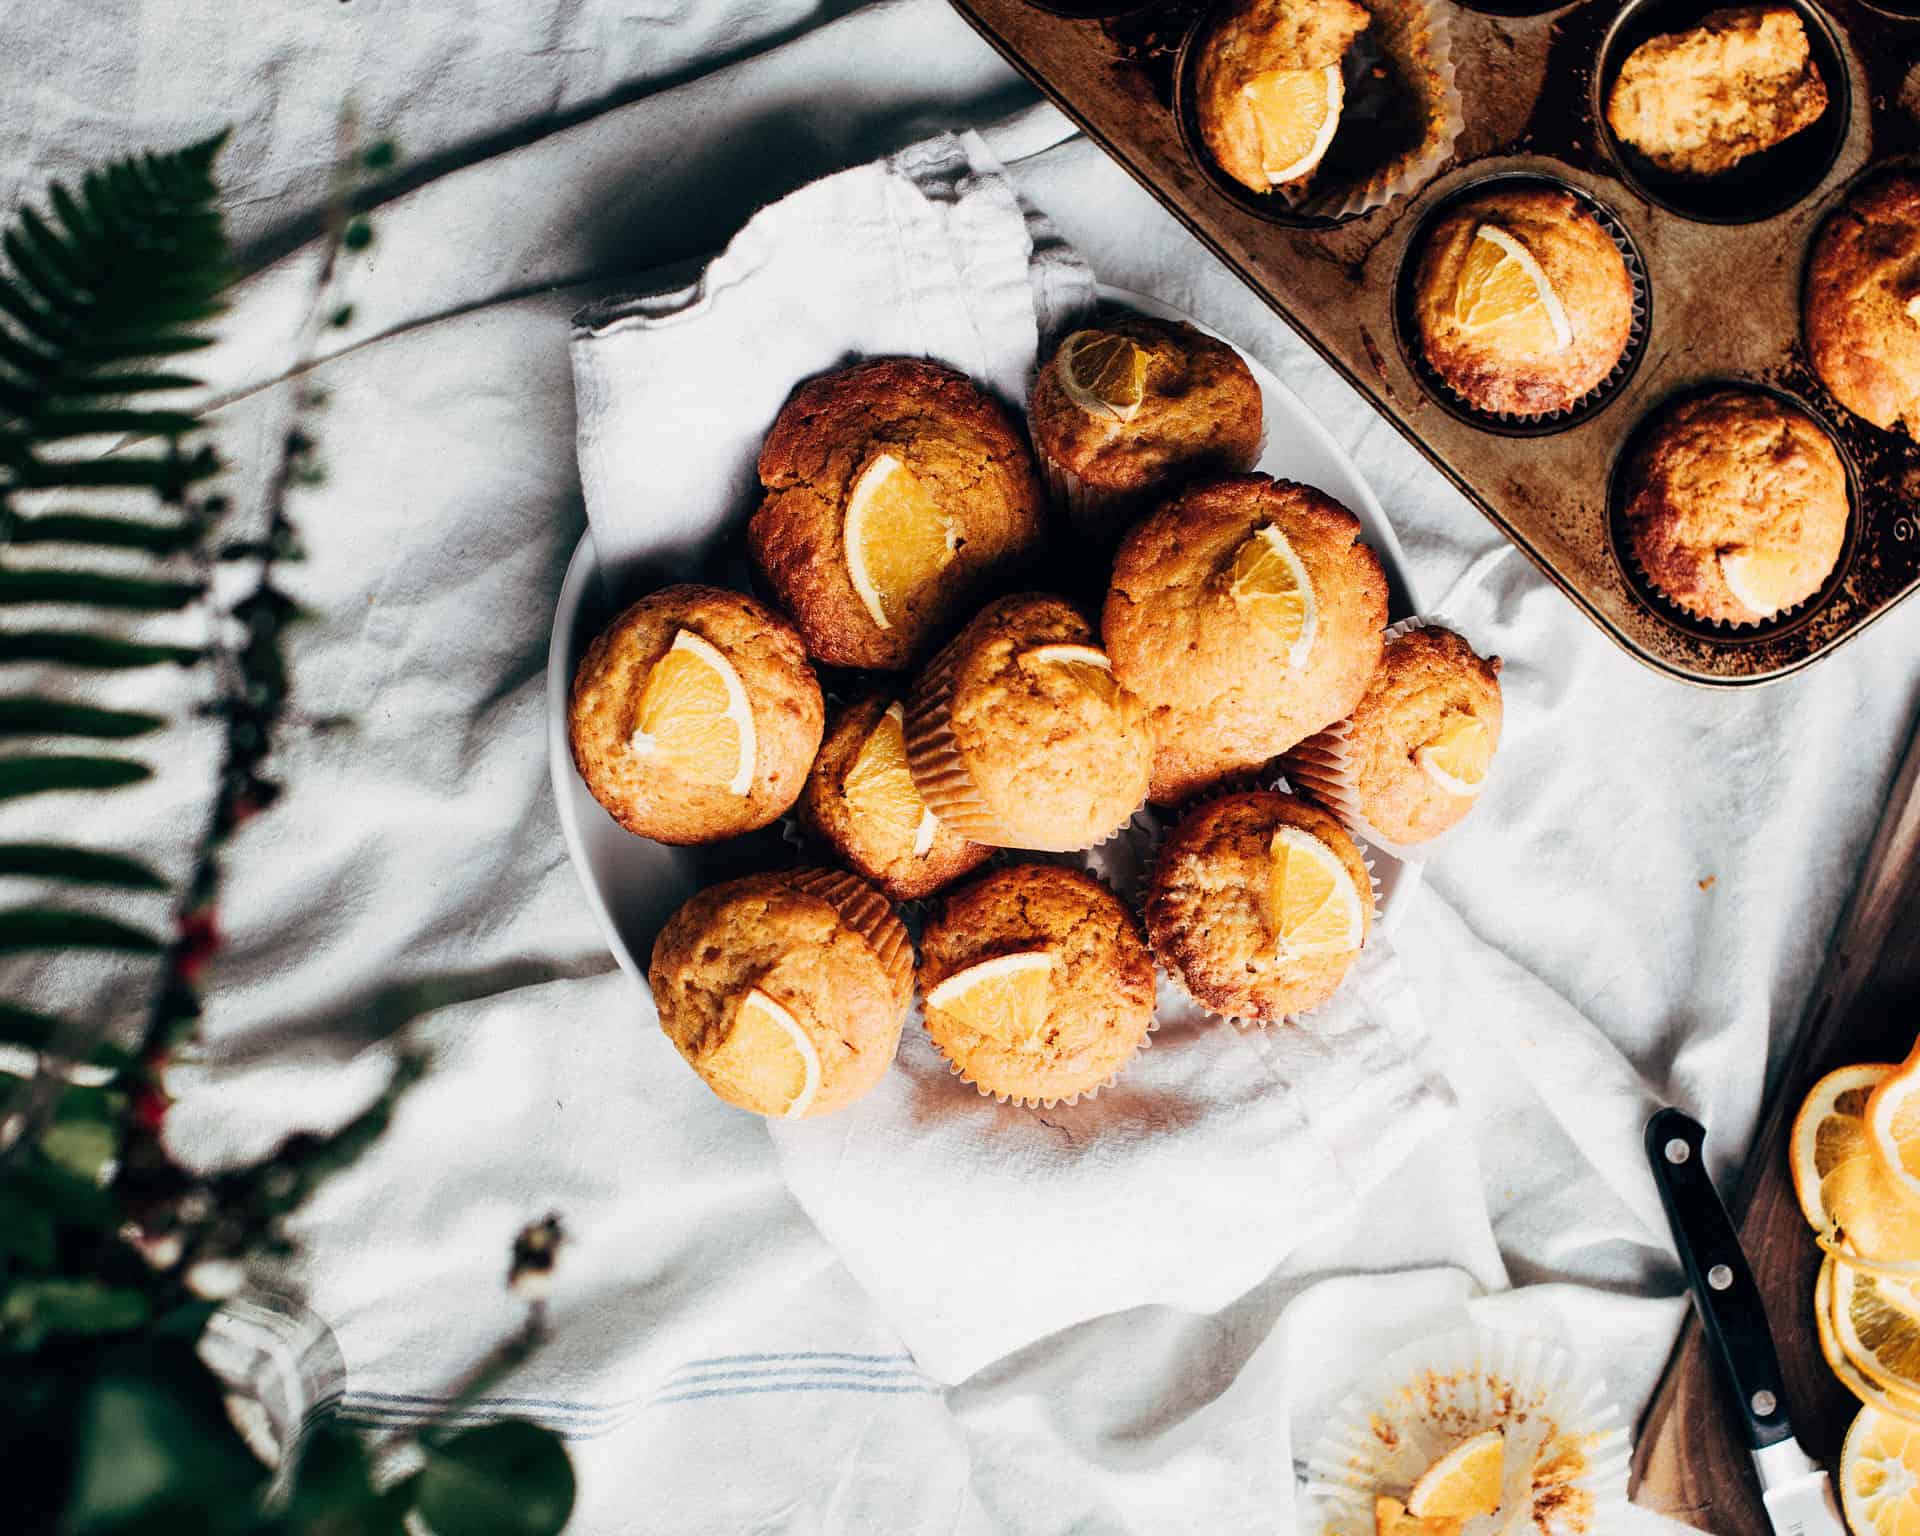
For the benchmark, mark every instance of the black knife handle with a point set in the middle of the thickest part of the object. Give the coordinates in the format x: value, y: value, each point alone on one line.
x: 1724, y: 1292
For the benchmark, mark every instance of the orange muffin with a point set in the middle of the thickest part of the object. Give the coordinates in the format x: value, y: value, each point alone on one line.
x: 786, y: 992
x: 1125, y: 410
x: 1258, y: 905
x: 1522, y: 300
x: 1862, y: 303
x: 1736, y: 506
x: 897, y: 492
x: 1247, y: 614
x: 1018, y: 735
x: 861, y: 801
x: 1411, y: 758
x: 1038, y: 983
x: 694, y: 716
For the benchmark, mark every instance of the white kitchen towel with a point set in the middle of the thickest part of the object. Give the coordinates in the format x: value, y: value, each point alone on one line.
x: 927, y: 253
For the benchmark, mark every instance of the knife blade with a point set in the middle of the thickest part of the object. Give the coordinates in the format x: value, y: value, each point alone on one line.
x: 1794, y: 1487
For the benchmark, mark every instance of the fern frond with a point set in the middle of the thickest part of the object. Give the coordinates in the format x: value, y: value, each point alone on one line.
x: 50, y: 861
x: 33, y: 715
x: 34, y: 775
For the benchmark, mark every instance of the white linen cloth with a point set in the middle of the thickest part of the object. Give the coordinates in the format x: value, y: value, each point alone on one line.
x: 1570, y: 966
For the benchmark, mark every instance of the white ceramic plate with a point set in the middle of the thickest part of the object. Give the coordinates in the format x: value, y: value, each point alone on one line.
x: 634, y: 884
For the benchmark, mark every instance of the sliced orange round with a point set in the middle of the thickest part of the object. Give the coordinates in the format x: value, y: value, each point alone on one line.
x: 1458, y: 758
x: 1874, y: 1214
x: 1875, y: 1394
x: 1503, y: 289
x: 1880, y: 1475
x: 1104, y: 374
x: 1893, y: 1125
x: 1005, y: 998
x: 1830, y: 1129
x: 694, y: 716
x: 1312, y: 905
x: 879, y: 786
x: 767, y: 1063
x: 1876, y: 1321
x: 1270, y: 582
x: 1465, y: 1483
x: 896, y: 539
x: 1296, y: 113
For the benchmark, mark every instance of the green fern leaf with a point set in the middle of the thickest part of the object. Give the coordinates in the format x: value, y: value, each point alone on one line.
x: 95, y: 652
x: 97, y: 589
x: 88, y: 866
x: 30, y: 715
x: 57, y: 928
x: 42, y: 775
x: 113, y: 532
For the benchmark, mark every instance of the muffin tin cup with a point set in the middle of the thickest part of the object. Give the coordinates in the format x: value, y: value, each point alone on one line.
x: 869, y: 914
x: 1643, y: 586
x: 1406, y: 323
x: 1155, y: 826
x: 940, y: 771
x: 1759, y: 187
x: 1411, y: 39
x: 1410, y: 1409
x: 918, y: 1015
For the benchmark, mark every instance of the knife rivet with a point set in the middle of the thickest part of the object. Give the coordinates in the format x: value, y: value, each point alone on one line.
x: 1763, y: 1405
x: 1720, y: 1277
x: 1678, y: 1151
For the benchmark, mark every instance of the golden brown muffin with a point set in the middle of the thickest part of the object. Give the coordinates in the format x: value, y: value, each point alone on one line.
x: 962, y: 451
x: 1254, y: 38
x: 1198, y: 410
x: 1498, y: 366
x: 860, y: 800
x: 643, y: 789
x: 1697, y: 103
x: 1863, y: 303
x: 1081, y: 1011
x: 824, y: 948
x: 1737, y: 506
x: 1019, y: 736
x: 1209, y: 907
x: 1229, y: 685
x: 1410, y: 759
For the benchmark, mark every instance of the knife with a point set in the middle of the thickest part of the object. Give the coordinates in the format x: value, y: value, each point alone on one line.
x: 1794, y: 1487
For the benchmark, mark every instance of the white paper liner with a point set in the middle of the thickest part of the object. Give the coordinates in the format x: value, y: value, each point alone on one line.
x: 917, y: 1014
x: 1153, y: 828
x: 1410, y: 1410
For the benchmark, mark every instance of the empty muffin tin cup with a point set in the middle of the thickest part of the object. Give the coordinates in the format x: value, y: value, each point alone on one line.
x: 1759, y: 186
x: 1398, y: 125
x: 1406, y: 323
x: 1643, y: 587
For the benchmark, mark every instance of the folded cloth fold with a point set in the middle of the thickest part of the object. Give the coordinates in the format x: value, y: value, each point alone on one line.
x: 927, y: 253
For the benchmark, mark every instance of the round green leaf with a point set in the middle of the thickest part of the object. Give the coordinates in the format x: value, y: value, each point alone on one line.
x: 506, y: 1479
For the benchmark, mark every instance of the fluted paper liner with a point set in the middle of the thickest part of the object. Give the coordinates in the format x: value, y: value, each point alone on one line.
x: 1410, y: 1410
x: 940, y: 771
x: 869, y: 914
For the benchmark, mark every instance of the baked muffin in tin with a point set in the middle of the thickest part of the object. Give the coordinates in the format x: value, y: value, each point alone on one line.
x: 1862, y: 302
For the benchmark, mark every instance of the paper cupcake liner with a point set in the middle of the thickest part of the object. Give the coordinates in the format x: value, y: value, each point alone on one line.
x: 1623, y: 366
x: 940, y: 770
x: 869, y: 914
x: 1158, y: 829
x: 918, y: 1015
x: 1419, y: 1403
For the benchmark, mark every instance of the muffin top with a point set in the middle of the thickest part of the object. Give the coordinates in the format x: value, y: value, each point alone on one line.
x: 896, y: 491
x: 1737, y: 506
x: 1420, y: 739
x: 1133, y: 401
x: 1039, y: 984
x: 1247, y: 614
x: 1253, y: 41
x: 1523, y: 301
x: 786, y: 991
x: 695, y: 716
x: 1863, y: 303
x: 1018, y: 734
x: 1258, y: 905
x: 861, y: 801
x: 1698, y: 102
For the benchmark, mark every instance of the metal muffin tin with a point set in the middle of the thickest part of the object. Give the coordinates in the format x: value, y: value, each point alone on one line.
x: 1723, y: 262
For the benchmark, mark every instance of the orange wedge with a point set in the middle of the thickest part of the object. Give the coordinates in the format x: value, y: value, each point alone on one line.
x: 1503, y: 289
x: 896, y: 539
x: 1295, y: 113
x: 1312, y: 906
x: 1087, y: 665
x: 694, y: 716
x: 879, y: 786
x: 1269, y: 581
x: 767, y: 1063
x: 1765, y: 580
x: 1104, y: 374
x: 1465, y: 1483
x: 1457, y: 759
x: 1004, y: 998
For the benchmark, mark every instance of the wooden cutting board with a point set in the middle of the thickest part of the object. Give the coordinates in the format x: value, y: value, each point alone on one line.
x: 1866, y: 1008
